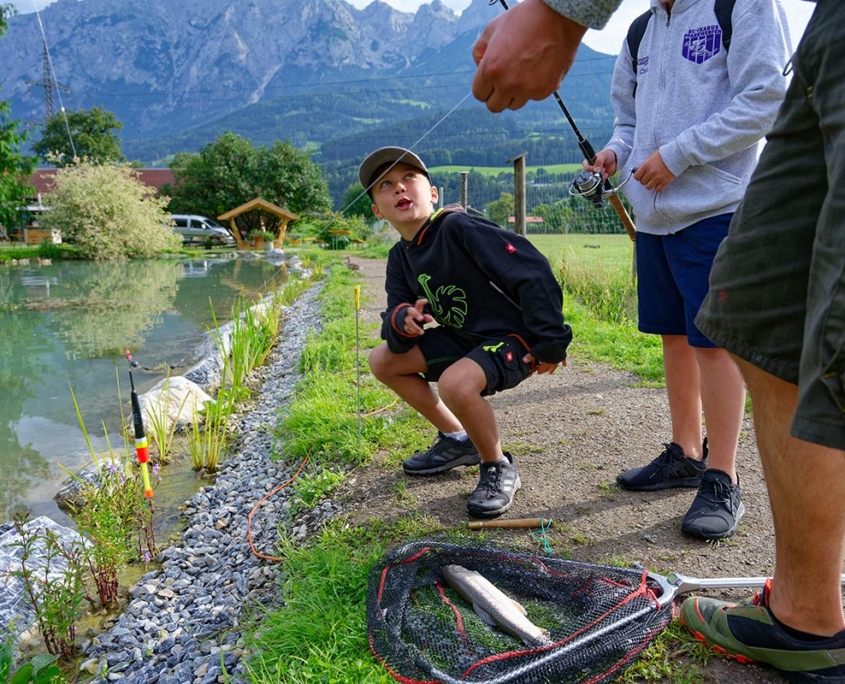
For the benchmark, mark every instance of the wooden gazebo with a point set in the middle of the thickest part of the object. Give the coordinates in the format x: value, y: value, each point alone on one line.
x: 260, y: 205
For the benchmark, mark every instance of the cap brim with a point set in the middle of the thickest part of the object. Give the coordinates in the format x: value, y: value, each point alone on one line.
x: 383, y: 156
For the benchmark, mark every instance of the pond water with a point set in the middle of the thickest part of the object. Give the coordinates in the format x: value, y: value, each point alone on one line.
x: 63, y: 331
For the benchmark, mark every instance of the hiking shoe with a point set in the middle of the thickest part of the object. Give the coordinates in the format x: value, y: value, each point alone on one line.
x: 716, y: 509
x: 446, y: 453
x: 496, y: 486
x: 670, y: 469
x: 748, y: 632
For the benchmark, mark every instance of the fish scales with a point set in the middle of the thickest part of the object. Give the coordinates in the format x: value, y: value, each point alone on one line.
x: 493, y: 606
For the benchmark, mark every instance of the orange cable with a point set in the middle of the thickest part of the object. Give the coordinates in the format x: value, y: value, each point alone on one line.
x: 263, y: 499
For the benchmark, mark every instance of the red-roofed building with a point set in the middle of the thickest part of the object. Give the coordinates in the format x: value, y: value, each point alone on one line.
x: 42, y: 179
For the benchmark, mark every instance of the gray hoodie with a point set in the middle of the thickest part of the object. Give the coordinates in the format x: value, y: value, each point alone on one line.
x: 704, y: 108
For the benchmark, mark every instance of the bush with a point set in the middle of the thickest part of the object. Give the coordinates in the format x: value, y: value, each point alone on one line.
x: 109, y: 213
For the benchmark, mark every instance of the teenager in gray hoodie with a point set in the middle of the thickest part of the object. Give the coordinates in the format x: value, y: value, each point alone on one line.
x: 688, y: 123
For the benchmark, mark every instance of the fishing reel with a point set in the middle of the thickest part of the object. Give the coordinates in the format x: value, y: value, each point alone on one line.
x: 591, y: 186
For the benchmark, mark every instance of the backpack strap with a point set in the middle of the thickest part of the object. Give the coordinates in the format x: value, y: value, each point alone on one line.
x: 724, y: 11
x: 636, y: 31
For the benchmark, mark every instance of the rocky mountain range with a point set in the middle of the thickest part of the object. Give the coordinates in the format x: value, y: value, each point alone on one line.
x: 176, y: 72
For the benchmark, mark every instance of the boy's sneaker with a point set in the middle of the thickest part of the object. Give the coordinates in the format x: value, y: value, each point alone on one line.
x: 497, y: 484
x: 716, y: 509
x: 446, y: 453
x: 748, y: 632
x: 670, y: 469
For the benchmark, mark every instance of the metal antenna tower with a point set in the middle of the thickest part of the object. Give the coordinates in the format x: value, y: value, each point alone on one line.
x: 49, y: 84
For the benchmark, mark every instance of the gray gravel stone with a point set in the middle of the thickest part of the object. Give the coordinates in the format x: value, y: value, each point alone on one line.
x: 181, y: 617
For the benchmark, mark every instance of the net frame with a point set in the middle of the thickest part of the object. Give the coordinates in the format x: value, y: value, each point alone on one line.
x: 600, y: 617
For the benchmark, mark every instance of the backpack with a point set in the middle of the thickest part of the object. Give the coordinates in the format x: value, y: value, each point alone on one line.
x: 722, y: 8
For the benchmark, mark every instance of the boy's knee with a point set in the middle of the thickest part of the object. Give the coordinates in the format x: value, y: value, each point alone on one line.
x: 378, y: 361
x: 456, y: 388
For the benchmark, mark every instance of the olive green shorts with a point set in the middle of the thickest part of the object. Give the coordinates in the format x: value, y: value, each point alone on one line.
x: 777, y: 287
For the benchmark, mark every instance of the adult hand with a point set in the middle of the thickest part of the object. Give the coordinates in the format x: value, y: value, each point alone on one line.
x: 653, y: 174
x: 523, y: 55
x: 605, y: 164
x: 416, y: 318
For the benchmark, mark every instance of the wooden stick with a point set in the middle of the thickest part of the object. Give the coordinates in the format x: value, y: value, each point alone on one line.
x: 623, y: 215
x: 514, y: 523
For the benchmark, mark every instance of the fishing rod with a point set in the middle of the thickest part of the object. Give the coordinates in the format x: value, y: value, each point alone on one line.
x: 588, y: 184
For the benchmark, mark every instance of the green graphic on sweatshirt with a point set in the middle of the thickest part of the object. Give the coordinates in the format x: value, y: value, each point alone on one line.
x: 448, y: 302
x: 493, y: 348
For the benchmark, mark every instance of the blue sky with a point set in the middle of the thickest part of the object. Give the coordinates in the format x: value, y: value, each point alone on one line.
x: 608, y: 40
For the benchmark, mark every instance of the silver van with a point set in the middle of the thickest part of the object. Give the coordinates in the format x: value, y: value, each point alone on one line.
x: 195, y: 228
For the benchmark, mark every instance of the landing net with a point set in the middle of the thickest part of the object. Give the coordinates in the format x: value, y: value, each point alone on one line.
x: 599, y: 618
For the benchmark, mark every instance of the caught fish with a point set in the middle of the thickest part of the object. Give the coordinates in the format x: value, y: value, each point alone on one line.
x: 493, y: 606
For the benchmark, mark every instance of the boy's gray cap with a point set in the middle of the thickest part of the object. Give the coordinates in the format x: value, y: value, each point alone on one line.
x: 387, y: 155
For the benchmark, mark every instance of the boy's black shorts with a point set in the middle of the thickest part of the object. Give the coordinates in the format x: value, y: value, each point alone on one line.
x: 500, y: 358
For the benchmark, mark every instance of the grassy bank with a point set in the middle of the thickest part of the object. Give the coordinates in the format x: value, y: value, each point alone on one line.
x: 320, y: 633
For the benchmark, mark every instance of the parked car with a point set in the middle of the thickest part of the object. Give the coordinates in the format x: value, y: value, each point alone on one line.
x: 194, y: 228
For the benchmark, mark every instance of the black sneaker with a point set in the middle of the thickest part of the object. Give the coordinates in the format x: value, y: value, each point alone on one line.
x: 446, y: 453
x: 496, y: 486
x: 716, y: 509
x: 748, y: 632
x: 670, y: 469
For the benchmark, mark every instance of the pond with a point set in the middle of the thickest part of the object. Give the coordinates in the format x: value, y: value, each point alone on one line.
x: 64, y: 328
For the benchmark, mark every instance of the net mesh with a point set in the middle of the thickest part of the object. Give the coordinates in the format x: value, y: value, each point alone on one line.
x: 599, y: 618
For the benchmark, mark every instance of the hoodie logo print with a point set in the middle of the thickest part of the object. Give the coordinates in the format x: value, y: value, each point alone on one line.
x: 702, y: 43
x: 448, y: 303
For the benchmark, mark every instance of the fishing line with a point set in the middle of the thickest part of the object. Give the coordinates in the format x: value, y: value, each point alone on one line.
x: 52, y: 76
x: 540, y: 535
x: 412, y: 148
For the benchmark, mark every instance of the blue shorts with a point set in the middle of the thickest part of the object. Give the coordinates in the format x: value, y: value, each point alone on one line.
x: 674, y: 276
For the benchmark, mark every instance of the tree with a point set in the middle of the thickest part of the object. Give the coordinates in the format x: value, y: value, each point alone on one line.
x: 89, y: 135
x: 14, y: 167
x: 356, y: 202
x: 231, y: 171
x: 499, y: 210
x: 109, y: 213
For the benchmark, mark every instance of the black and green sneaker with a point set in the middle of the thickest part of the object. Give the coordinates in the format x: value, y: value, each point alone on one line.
x: 497, y: 483
x: 748, y: 632
x: 446, y: 453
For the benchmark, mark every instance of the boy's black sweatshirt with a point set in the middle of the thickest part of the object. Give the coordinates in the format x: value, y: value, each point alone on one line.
x: 480, y: 280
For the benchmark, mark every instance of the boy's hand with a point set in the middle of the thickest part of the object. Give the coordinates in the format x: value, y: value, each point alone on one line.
x: 653, y: 173
x: 416, y: 318
x: 541, y: 367
x: 605, y: 164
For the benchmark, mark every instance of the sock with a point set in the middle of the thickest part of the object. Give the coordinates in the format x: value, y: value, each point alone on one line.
x: 796, y: 634
x: 460, y: 436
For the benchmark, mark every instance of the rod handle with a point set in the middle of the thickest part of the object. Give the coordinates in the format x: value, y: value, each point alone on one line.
x: 513, y: 523
x: 624, y: 216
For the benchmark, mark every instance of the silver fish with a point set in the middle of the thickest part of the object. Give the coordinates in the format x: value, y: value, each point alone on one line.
x: 493, y: 606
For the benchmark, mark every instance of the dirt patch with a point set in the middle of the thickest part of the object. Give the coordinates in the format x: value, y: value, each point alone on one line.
x: 571, y: 433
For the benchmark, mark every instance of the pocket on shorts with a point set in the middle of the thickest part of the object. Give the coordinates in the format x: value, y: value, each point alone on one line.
x: 502, y: 362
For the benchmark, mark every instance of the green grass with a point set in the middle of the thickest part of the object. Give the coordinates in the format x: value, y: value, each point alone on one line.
x: 608, y: 251
x: 319, y: 635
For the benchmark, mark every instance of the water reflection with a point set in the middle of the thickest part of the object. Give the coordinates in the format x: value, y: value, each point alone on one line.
x: 67, y: 324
